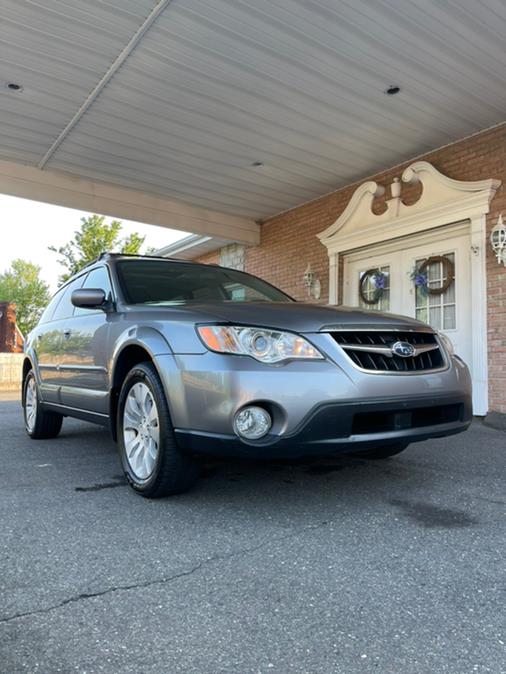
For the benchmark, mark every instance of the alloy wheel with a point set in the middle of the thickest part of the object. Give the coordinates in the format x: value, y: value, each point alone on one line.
x: 141, y: 431
x: 31, y: 404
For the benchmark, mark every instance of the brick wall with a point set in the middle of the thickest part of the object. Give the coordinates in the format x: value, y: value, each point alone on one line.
x: 289, y: 243
x: 210, y: 258
x: 10, y: 340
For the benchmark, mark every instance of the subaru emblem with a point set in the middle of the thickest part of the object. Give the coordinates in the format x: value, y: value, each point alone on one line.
x: 403, y: 349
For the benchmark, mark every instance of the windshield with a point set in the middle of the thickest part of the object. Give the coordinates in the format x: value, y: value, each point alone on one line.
x: 163, y: 283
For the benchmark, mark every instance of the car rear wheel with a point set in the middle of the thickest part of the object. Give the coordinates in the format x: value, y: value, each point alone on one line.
x: 39, y: 424
x: 383, y: 452
x: 153, y: 463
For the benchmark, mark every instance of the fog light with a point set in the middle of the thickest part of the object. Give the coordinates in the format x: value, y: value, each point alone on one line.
x: 252, y: 423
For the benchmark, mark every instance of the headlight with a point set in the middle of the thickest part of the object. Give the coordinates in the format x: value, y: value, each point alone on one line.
x: 267, y: 346
x: 447, y: 343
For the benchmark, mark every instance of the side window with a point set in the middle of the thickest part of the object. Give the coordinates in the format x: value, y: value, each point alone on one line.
x: 65, y: 307
x: 48, y: 312
x: 97, y: 278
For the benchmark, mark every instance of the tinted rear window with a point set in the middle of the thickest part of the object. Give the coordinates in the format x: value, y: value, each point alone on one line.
x: 160, y: 283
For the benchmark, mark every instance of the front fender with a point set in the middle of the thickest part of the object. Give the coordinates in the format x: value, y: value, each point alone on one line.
x: 145, y: 337
x: 152, y: 342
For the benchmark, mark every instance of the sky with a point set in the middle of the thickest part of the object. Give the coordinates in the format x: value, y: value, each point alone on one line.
x: 27, y: 228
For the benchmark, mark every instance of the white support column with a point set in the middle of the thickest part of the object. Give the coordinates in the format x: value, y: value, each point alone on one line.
x: 333, y: 278
x: 479, y: 334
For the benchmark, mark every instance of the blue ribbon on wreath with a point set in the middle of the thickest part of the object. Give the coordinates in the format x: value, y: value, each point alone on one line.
x: 380, y: 280
x: 420, y: 280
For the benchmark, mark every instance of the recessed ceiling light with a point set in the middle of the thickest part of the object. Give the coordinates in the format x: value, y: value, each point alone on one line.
x: 392, y: 90
x: 14, y: 86
x: 257, y: 164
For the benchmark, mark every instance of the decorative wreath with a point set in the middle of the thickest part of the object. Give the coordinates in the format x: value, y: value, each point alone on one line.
x: 420, y: 278
x: 378, y: 279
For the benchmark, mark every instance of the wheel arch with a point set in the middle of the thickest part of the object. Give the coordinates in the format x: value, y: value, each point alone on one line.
x: 129, y: 355
x: 27, y: 366
x: 136, y: 345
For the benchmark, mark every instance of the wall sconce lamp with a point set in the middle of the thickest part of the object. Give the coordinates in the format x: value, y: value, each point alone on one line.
x: 498, y: 241
x: 312, y: 283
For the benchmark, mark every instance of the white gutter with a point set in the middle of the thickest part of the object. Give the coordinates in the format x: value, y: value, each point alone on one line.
x: 192, y: 246
x: 183, y: 244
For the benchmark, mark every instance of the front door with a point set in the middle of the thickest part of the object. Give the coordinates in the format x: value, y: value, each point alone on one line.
x: 397, y: 292
x: 49, y: 340
x: 83, y: 365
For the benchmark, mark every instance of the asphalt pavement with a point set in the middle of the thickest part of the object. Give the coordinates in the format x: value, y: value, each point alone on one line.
x: 329, y: 566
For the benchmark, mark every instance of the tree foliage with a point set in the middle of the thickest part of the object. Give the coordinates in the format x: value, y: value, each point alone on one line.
x: 94, y: 237
x: 22, y: 284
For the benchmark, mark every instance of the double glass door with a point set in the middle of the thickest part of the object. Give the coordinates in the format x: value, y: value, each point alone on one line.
x: 399, y: 282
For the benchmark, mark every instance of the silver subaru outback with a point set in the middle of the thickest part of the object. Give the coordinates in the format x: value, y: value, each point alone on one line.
x: 180, y: 359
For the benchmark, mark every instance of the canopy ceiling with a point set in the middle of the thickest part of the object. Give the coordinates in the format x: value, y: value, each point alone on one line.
x: 243, y: 107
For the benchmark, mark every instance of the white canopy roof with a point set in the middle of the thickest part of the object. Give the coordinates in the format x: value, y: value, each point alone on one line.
x: 237, y: 108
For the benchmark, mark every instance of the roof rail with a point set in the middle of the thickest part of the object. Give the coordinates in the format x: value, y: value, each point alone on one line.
x: 88, y: 264
x: 104, y: 255
x: 150, y: 257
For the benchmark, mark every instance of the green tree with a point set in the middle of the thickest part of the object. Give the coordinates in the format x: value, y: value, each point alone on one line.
x: 22, y: 284
x: 94, y: 237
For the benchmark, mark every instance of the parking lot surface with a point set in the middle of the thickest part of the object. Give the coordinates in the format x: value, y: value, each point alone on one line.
x: 337, y: 565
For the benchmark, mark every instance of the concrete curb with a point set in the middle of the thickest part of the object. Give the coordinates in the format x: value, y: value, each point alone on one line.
x: 495, y: 420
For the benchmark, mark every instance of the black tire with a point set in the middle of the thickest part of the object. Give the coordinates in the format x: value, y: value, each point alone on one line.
x: 42, y: 425
x: 382, y: 452
x: 174, y: 472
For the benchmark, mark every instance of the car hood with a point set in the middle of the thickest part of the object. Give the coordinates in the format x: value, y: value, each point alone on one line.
x: 295, y: 316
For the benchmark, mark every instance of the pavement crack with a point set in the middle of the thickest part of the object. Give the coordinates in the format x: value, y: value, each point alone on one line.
x: 100, y: 593
x: 164, y: 580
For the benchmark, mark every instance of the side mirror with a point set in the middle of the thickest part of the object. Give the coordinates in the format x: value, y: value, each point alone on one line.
x: 89, y: 298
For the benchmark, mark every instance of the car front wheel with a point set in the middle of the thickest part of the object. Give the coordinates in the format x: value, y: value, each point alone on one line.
x: 39, y: 424
x: 153, y: 463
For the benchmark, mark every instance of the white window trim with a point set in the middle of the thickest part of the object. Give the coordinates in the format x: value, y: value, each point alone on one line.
x: 443, y: 201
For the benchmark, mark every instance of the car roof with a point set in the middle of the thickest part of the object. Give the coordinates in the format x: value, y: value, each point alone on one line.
x: 106, y: 257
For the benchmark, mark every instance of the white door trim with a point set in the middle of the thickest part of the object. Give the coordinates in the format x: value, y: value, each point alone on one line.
x: 444, y: 201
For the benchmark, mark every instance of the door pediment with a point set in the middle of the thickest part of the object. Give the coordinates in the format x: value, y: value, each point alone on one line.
x: 443, y: 200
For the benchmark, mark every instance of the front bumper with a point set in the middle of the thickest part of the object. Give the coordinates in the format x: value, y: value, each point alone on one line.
x: 339, y: 427
x: 319, y: 407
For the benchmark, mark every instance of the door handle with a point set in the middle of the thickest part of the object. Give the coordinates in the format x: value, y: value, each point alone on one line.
x: 66, y: 333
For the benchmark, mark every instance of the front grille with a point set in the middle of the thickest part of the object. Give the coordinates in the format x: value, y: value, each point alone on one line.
x: 371, y: 350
